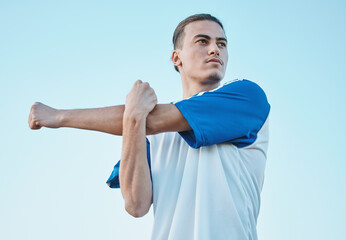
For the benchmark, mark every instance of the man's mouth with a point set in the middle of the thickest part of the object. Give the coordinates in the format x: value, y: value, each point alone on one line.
x: 215, y: 59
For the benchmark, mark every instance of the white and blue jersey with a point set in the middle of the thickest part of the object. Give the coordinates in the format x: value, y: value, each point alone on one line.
x: 207, y: 181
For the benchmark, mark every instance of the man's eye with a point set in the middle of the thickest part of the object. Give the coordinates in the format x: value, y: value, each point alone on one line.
x: 202, y: 41
x: 222, y: 44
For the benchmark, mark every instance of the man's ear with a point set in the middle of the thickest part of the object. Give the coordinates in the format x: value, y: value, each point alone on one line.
x: 176, y: 59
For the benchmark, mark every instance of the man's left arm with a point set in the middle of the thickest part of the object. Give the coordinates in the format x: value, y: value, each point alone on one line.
x: 134, y: 178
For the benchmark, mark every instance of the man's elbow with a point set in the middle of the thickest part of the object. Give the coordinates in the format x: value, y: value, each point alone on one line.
x: 137, y: 210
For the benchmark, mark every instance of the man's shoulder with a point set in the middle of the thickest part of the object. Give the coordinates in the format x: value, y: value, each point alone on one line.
x: 235, y: 85
x: 242, y: 84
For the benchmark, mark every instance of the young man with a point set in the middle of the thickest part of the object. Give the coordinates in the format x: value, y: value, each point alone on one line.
x: 202, y: 163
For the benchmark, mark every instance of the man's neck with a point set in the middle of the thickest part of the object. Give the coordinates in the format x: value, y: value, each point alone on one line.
x: 191, y: 88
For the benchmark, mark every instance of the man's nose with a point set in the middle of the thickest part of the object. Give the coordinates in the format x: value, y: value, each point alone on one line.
x: 214, y: 50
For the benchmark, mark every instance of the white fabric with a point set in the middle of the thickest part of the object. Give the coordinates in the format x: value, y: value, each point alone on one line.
x: 212, y: 192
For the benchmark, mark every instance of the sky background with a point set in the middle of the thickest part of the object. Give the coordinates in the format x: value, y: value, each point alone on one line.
x: 84, y: 54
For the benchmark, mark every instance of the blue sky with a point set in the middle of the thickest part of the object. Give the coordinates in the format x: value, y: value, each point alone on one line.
x: 81, y: 54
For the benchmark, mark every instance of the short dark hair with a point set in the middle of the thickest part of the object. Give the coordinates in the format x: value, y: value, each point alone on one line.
x: 179, y: 33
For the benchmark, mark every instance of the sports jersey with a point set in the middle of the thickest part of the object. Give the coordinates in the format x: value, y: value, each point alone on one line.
x: 207, y: 181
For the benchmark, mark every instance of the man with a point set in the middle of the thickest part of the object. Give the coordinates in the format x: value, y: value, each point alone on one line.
x: 202, y: 163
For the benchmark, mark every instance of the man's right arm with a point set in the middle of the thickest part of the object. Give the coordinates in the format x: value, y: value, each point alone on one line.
x: 163, y: 118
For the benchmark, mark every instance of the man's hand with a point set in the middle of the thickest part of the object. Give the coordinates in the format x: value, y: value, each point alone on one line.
x: 140, y: 101
x: 43, y: 116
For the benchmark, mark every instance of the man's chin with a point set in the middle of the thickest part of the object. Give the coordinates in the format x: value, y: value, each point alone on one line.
x: 215, y: 77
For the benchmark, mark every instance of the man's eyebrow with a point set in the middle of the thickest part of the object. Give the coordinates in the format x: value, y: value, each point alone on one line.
x: 221, y: 39
x: 202, y: 36
x: 208, y: 37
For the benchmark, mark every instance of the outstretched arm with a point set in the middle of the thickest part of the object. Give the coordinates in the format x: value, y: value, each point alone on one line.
x: 163, y: 118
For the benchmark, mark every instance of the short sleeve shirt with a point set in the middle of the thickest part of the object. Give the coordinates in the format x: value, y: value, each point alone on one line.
x: 207, y: 181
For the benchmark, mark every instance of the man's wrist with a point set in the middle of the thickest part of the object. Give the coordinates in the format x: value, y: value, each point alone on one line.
x: 62, y: 118
x: 134, y: 115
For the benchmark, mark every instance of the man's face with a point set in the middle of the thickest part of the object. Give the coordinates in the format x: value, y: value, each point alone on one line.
x: 203, y: 55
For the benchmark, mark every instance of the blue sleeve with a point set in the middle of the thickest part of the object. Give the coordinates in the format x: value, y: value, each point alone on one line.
x: 233, y: 113
x: 113, y: 180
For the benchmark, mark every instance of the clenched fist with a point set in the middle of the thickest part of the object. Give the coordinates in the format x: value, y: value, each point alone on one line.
x: 43, y: 116
x: 141, y: 100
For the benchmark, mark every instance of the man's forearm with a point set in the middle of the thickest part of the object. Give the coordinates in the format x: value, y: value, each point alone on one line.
x: 107, y: 119
x: 135, y: 181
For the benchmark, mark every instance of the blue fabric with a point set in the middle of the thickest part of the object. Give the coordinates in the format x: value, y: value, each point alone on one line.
x: 113, y: 180
x: 232, y: 113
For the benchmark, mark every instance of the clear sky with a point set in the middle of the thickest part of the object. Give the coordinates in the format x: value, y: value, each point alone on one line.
x: 81, y: 54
